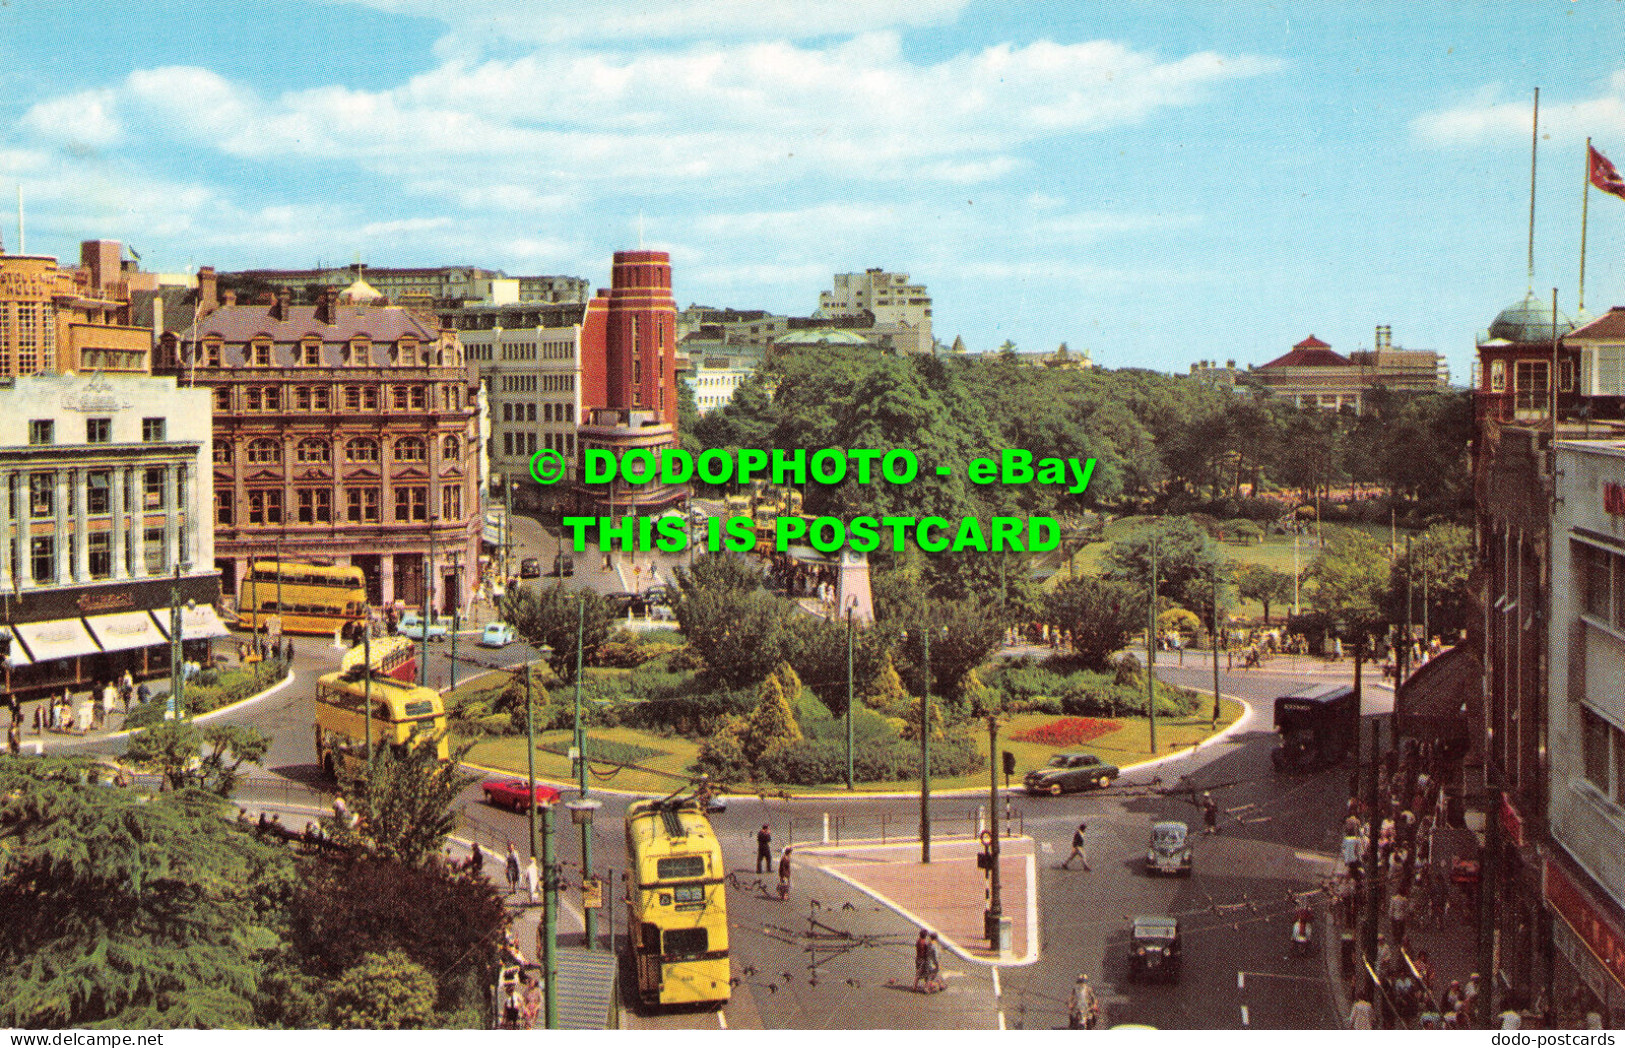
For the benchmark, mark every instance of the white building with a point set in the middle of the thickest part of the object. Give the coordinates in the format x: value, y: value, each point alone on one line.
x: 531, y: 379
x: 106, y: 512
x: 1584, y: 877
x: 901, y: 310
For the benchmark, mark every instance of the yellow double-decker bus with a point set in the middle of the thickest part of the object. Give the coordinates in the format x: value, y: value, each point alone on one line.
x: 403, y: 714
x: 310, y: 598
x: 678, y: 910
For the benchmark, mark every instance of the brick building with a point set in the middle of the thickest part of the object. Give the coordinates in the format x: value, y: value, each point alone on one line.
x: 345, y: 432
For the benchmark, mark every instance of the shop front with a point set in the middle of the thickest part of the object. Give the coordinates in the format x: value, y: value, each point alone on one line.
x: 1588, y: 934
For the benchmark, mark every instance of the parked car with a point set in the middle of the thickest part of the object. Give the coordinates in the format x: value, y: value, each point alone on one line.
x: 416, y: 626
x: 622, y: 602
x: 1071, y: 771
x: 1170, y: 849
x: 530, y: 568
x: 1154, y: 948
x: 659, y: 593
x: 497, y: 635
x: 511, y: 794
x: 564, y: 565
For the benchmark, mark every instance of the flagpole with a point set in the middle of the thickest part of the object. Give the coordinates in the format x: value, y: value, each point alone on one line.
x: 1534, y: 151
x: 1585, y: 204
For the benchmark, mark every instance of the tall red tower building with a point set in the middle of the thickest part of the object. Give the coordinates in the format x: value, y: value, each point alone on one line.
x: 629, y: 381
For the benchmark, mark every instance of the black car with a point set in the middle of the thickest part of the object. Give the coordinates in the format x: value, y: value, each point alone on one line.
x: 530, y: 568
x: 1071, y: 771
x: 564, y: 565
x: 1154, y: 948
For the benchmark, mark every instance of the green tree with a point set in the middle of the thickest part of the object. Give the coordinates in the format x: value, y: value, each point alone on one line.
x: 187, y: 755
x: 1101, y: 615
x: 1263, y: 584
x: 1436, y: 570
x: 385, y: 991
x: 405, y: 802
x: 772, y: 722
x: 1187, y: 561
x: 885, y: 693
x: 128, y: 910
x: 553, y: 619
x: 1349, y: 579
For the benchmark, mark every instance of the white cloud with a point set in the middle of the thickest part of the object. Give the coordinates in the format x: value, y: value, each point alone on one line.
x: 84, y: 118
x: 1489, y: 117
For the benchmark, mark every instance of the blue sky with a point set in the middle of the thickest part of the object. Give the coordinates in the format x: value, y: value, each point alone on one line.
x: 1157, y: 182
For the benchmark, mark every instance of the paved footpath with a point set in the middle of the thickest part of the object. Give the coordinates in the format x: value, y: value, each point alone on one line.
x: 950, y: 895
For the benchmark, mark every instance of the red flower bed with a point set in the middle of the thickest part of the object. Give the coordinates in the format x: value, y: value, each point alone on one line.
x: 1068, y: 731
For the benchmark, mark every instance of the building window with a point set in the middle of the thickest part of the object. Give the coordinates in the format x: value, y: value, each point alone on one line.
x: 261, y: 354
x: 352, y: 398
x: 252, y: 399
x: 222, y: 452
x: 397, y: 398
x: 98, y: 431
x: 369, y: 398
x: 361, y: 505
x: 301, y: 398
x: 311, y: 353
x: 41, y: 494
x: 222, y: 398
x: 411, y: 504
x: 100, y: 548
x: 41, y: 431
x: 361, y: 449
x: 152, y: 431
x: 152, y: 487
x: 420, y: 398
x: 507, y: 444
x: 451, y: 449
x: 265, y: 506
x: 360, y: 352
x: 98, y: 493
x: 273, y: 398
x: 1498, y: 376
x: 320, y: 398
x: 264, y: 452
x: 1594, y: 583
x: 223, y: 507
x: 211, y: 353
x: 1597, y: 739
x: 408, y: 351
x: 153, y: 553
x: 313, y: 450
x: 315, y: 506
x: 451, y: 501
x: 42, y: 552
x: 409, y: 449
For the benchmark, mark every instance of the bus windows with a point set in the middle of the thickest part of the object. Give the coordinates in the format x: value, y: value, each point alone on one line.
x: 690, y: 897
x: 689, y: 942
x: 420, y: 708
x: 680, y: 867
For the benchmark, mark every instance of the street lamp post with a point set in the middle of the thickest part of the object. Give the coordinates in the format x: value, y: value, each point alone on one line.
x: 1151, y: 653
x: 925, y: 757
x: 1215, y: 646
x: 177, y: 670
x: 550, y: 915
x: 995, y: 907
x: 850, y: 605
x: 366, y: 686
x: 582, y: 811
x: 590, y: 916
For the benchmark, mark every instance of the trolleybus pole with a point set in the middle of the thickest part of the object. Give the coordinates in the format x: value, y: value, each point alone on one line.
x: 550, y: 916
x: 590, y: 916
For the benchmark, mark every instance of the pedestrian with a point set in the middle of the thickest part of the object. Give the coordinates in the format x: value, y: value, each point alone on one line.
x: 933, y: 966
x: 1398, y: 912
x: 1210, y: 813
x: 39, y: 717
x: 1351, y: 854
x: 287, y: 650
x: 1079, y: 837
x: 1360, y: 1016
x: 532, y: 879
x: 1084, y: 1010
x: 922, y: 951
x: 513, y: 869
x: 476, y: 859
x: 14, y: 737
x: 784, y: 873
x: 764, y: 850
x: 126, y: 689
x: 142, y: 692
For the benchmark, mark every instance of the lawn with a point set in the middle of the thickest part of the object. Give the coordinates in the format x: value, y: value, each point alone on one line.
x: 674, y: 755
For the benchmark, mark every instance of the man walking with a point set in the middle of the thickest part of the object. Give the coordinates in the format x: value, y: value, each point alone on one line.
x: 764, y: 849
x: 532, y: 879
x: 1210, y: 814
x: 1079, y: 838
x: 513, y: 869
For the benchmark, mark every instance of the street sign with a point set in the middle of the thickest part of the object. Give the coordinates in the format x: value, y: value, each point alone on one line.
x: 592, y: 894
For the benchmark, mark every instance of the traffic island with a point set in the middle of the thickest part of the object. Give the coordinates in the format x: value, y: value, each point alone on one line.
x: 947, y: 895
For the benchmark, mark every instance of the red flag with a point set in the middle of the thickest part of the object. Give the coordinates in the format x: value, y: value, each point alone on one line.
x: 1605, y: 176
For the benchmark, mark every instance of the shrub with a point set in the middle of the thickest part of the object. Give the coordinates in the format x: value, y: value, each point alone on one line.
x: 611, y: 750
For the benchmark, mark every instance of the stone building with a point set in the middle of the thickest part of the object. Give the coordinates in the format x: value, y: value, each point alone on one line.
x: 344, y: 432
x: 62, y: 319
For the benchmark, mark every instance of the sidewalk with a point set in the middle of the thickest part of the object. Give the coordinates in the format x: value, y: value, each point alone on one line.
x: 949, y: 896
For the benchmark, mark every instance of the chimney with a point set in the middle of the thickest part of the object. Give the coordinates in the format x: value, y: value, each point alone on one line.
x: 208, y: 286
x: 284, y: 303
x: 228, y: 298
x: 157, y: 317
x: 324, y: 305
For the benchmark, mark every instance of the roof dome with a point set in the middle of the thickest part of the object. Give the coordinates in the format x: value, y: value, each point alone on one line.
x: 821, y: 337
x: 360, y: 292
x: 1529, y: 321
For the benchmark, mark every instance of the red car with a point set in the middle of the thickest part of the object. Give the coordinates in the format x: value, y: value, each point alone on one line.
x: 510, y: 793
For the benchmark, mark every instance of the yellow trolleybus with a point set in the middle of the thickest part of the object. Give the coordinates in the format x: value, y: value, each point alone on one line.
x: 679, y: 913
x: 402, y: 714
x: 311, y: 598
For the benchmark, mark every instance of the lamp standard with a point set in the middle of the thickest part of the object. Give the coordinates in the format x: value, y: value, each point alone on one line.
x: 995, y: 907
x: 851, y: 605
x: 581, y: 812
x: 177, y: 667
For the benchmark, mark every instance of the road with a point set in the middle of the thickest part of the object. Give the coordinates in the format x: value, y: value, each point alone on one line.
x: 1278, y: 835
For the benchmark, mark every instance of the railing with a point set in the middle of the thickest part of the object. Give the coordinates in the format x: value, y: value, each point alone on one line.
x: 886, y: 827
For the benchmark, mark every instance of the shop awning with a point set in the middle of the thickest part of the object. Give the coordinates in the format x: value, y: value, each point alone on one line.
x: 18, y: 656
x: 125, y: 630
x: 1434, y: 701
x: 56, y: 639
x: 197, y: 623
